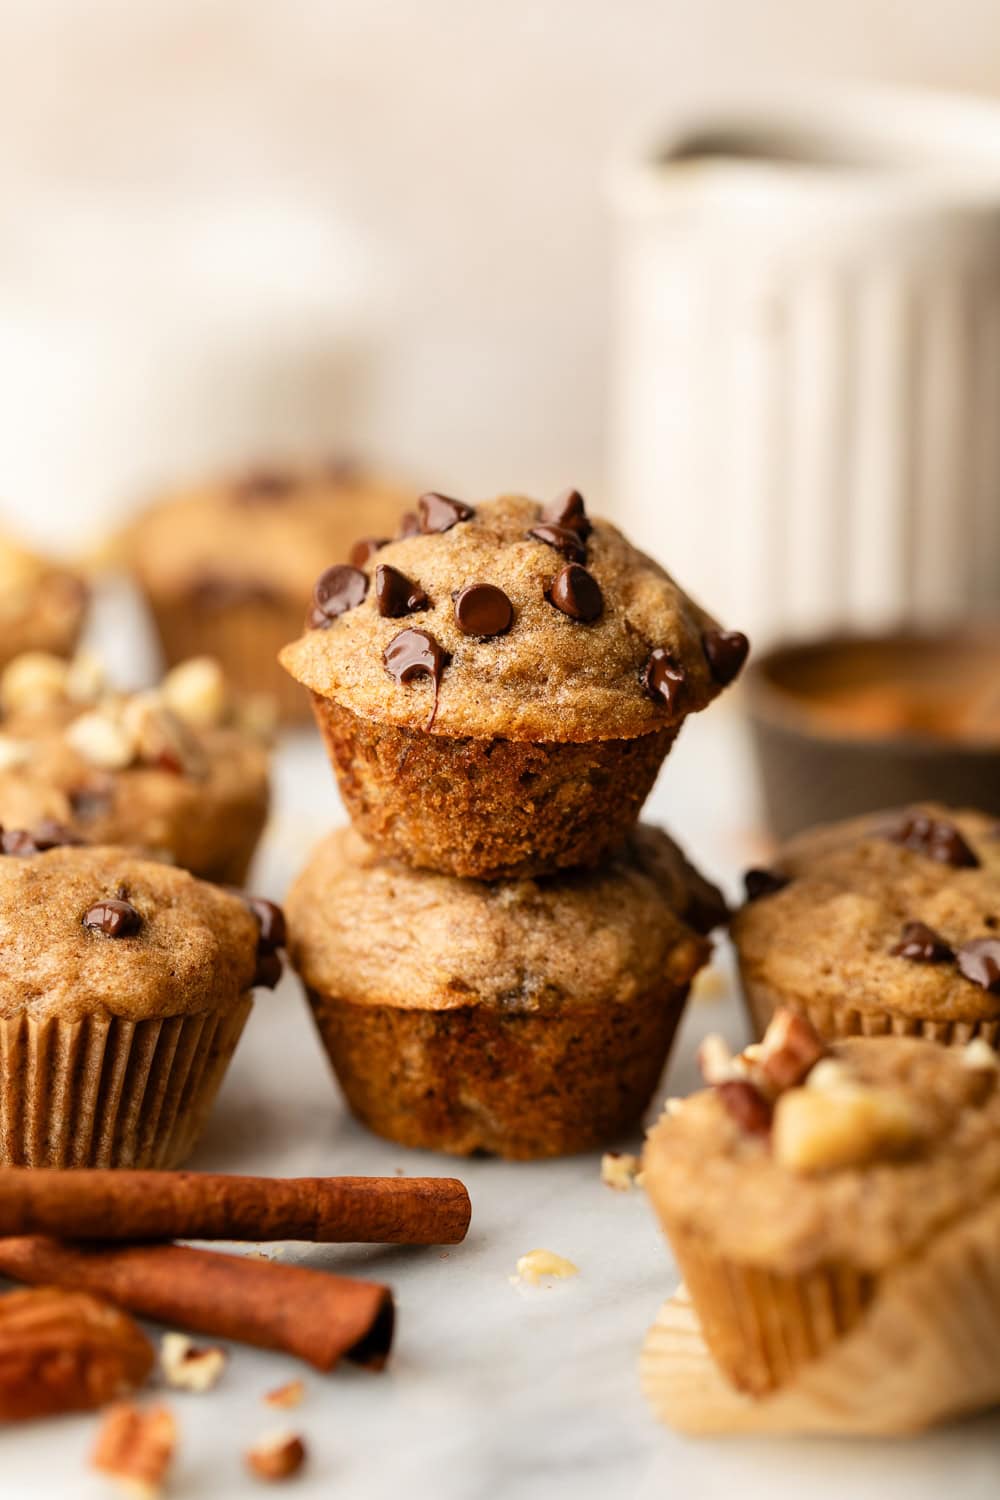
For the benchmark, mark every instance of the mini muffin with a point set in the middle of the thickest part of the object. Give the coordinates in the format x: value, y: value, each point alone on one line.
x: 524, y: 1019
x: 887, y: 923
x: 42, y: 605
x: 227, y: 568
x: 124, y: 987
x: 498, y: 689
x: 175, y: 772
x: 835, y: 1216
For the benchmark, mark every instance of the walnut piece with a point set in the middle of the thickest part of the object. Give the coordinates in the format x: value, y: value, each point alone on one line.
x: 821, y: 1130
x: 539, y: 1264
x: 195, y: 690
x: 34, y: 680
x: 979, y: 1054
x: 287, y: 1395
x: 188, y: 1366
x: 14, y: 753
x: 136, y: 1448
x: 717, y: 1062
x: 791, y: 1047
x: 619, y: 1170
x: 102, y: 741
x: 277, y: 1456
x: 66, y: 1351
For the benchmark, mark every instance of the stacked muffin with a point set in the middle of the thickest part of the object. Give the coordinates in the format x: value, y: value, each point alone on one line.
x: 496, y: 956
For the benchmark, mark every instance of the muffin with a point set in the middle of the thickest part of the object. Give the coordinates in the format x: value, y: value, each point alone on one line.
x: 886, y: 923
x: 498, y: 688
x: 227, y: 568
x: 523, y: 1018
x: 834, y: 1214
x: 124, y: 987
x: 176, y: 772
x: 42, y: 605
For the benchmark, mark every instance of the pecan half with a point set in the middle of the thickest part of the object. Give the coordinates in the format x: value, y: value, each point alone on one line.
x: 64, y: 1351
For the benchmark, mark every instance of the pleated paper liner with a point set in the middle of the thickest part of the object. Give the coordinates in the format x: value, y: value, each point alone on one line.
x: 836, y: 1022
x: 927, y: 1349
x: 107, y: 1092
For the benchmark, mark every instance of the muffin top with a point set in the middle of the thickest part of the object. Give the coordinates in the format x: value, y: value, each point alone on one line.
x: 99, y: 932
x: 897, y: 911
x: 800, y: 1157
x: 512, y: 619
x: 370, y: 929
x: 146, y: 769
x: 41, y: 604
x: 262, y: 534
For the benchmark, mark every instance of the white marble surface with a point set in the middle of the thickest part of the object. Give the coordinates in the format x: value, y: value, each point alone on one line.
x: 495, y: 1392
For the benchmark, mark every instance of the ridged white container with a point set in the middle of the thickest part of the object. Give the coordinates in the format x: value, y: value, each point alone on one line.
x: 806, y: 421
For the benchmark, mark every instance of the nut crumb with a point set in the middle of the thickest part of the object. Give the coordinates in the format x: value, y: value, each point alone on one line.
x: 539, y: 1264
x: 277, y: 1456
x: 188, y: 1366
x: 289, y: 1394
x: 619, y: 1170
x: 135, y: 1448
x: 979, y: 1054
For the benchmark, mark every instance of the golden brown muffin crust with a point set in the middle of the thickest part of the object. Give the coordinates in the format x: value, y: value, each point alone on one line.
x: 195, y: 949
x: 549, y: 676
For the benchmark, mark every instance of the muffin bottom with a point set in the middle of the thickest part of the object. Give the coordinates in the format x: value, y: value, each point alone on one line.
x: 512, y: 1084
x: 488, y: 809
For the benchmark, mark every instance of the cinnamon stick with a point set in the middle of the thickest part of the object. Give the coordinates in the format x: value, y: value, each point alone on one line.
x: 320, y: 1318
x: 125, y: 1205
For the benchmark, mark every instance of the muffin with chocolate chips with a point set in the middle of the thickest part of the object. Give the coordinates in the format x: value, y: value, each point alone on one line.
x: 524, y: 1018
x: 124, y: 987
x: 180, y: 772
x: 834, y: 1212
x: 42, y: 604
x: 498, y: 688
x: 227, y: 567
x: 886, y: 923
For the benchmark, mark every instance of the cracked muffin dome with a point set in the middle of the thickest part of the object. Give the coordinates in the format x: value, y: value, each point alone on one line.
x: 512, y: 619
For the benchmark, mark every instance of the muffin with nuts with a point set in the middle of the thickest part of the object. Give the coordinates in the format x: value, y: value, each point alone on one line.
x: 227, y: 567
x: 42, y: 604
x: 497, y: 688
x: 888, y: 923
x: 834, y: 1212
x: 124, y: 987
x: 179, y: 772
x: 524, y: 1018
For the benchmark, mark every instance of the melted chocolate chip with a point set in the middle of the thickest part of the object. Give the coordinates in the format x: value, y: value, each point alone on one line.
x: 265, y: 484
x: 934, y: 838
x: 366, y: 548
x: 725, y: 651
x: 563, y: 539
x: 706, y: 906
x: 395, y: 595
x: 979, y: 960
x: 752, y: 1110
x: 484, y: 610
x: 758, y: 883
x: 441, y: 512
x: 568, y: 510
x: 267, y: 972
x: 115, y: 918
x: 664, y: 678
x: 337, y: 590
x: 415, y: 653
x: 409, y: 525
x: 922, y: 945
x: 46, y: 834
x: 576, y: 593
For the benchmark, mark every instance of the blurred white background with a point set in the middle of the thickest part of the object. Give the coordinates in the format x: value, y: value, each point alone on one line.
x: 238, y: 224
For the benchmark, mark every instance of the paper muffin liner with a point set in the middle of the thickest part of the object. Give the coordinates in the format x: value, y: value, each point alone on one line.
x: 245, y: 638
x: 108, y: 1092
x: 836, y: 1022
x: 925, y: 1350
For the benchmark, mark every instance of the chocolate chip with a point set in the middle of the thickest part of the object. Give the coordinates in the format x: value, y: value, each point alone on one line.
x: 934, y: 838
x: 267, y: 972
x: 409, y: 525
x: 752, y: 1110
x: 568, y: 510
x: 395, y: 595
x: 270, y: 920
x: 706, y: 907
x: 115, y: 918
x: 46, y: 834
x: 979, y: 960
x: 725, y: 651
x: 758, y: 883
x: 337, y: 590
x: 563, y: 539
x: 441, y: 513
x: 415, y: 653
x: 265, y: 484
x: 366, y: 548
x: 484, y: 610
x: 576, y: 593
x: 664, y: 678
x: 922, y: 945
